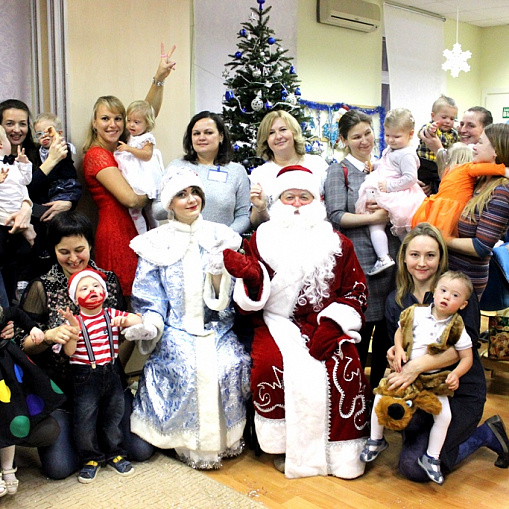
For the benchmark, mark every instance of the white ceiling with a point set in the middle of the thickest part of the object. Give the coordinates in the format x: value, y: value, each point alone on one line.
x: 482, y: 13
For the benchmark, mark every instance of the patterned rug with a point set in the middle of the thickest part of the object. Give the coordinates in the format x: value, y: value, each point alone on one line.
x: 161, y: 482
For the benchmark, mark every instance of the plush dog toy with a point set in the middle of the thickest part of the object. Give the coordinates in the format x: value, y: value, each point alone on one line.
x: 396, y: 408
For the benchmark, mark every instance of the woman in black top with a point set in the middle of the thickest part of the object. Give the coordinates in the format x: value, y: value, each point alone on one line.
x: 421, y: 260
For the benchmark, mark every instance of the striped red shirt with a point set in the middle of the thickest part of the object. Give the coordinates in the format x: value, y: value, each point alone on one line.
x: 98, y: 332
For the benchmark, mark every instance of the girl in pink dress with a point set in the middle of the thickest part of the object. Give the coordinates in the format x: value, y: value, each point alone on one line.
x: 392, y: 185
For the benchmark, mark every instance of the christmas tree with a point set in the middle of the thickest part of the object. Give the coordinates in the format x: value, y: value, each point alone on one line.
x: 262, y: 79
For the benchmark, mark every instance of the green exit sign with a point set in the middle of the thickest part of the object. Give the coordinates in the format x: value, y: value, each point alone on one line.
x: 505, y: 112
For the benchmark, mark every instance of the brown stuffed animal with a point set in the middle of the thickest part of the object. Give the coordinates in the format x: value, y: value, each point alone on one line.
x: 396, y: 408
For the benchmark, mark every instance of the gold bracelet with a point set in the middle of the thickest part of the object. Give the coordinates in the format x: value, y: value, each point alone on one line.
x: 157, y: 83
x: 258, y: 210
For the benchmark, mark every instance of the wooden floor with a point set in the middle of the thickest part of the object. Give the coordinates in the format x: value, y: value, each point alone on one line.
x: 475, y: 483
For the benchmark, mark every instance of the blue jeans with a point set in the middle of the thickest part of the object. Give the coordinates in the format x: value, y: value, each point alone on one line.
x: 98, y: 411
x: 61, y: 459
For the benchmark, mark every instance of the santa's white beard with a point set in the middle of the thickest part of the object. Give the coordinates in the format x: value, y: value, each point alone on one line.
x: 307, y: 216
x: 300, y: 247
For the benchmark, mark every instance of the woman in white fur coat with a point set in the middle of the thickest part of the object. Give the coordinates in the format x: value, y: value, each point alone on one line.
x: 192, y: 393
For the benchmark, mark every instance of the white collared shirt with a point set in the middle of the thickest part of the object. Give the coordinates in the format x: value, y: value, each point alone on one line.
x: 427, y: 329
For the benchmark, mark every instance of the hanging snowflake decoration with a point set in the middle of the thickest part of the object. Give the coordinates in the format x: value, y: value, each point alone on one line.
x: 456, y: 60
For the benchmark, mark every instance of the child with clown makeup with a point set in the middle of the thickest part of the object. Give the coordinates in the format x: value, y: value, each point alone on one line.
x: 98, y: 392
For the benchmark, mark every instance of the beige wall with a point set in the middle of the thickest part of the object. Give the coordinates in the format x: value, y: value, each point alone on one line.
x: 340, y: 65
x: 336, y: 64
x: 114, y: 49
x: 495, y: 58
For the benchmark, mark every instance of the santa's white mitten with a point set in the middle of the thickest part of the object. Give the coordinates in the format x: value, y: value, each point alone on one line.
x: 140, y: 332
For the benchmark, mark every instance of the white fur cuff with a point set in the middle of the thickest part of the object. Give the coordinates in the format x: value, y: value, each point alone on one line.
x: 147, y: 346
x: 346, y: 317
x: 241, y: 297
x: 219, y: 302
x: 140, y: 332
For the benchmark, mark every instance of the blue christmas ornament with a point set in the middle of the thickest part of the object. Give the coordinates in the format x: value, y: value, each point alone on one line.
x: 308, y: 148
x: 238, y: 54
x: 284, y: 93
x: 292, y: 70
x: 271, y: 40
x: 229, y: 95
x: 331, y: 133
x: 236, y: 147
x: 297, y: 91
x: 243, y: 32
x: 268, y: 105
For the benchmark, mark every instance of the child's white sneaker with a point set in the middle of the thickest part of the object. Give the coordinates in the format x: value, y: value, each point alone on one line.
x: 381, y: 265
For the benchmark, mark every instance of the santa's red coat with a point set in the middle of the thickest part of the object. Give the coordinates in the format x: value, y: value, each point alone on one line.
x: 349, y: 395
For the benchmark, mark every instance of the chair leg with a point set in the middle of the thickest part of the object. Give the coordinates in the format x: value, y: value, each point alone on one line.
x: 250, y: 430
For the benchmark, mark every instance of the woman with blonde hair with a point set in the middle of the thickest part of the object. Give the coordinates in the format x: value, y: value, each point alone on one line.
x: 110, y: 190
x: 485, y: 218
x: 281, y: 143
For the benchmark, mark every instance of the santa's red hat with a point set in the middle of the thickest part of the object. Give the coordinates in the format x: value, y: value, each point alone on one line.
x: 296, y: 177
x: 78, y: 276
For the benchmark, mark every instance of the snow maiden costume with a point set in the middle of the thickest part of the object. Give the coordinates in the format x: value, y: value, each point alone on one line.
x: 192, y: 393
x: 310, y: 394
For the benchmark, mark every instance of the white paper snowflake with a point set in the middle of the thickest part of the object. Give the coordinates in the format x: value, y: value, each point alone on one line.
x: 456, y: 60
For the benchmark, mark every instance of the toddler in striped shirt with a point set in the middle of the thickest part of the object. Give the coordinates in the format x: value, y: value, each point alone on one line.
x: 97, y: 375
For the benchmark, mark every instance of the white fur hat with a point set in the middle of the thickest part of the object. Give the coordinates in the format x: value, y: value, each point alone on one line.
x: 175, y: 181
x: 78, y: 276
x: 296, y: 177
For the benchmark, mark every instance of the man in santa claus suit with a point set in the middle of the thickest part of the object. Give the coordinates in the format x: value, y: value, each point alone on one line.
x: 310, y: 395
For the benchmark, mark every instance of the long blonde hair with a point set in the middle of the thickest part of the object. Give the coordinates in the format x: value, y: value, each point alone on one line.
x: 404, y: 281
x: 114, y: 105
x: 498, y: 135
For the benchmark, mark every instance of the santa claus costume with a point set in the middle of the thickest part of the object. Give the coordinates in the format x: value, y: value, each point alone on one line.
x: 310, y: 395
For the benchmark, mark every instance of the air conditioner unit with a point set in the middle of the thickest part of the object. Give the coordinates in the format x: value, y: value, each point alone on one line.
x: 354, y: 14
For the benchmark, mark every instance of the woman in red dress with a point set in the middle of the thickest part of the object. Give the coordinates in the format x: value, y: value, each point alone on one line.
x: 110, y: 191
